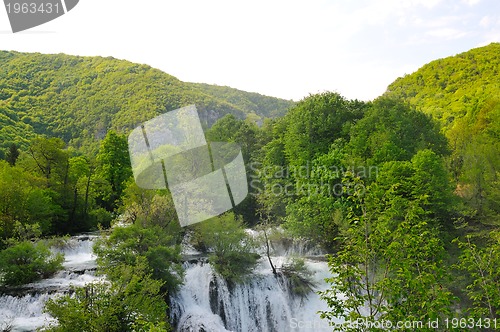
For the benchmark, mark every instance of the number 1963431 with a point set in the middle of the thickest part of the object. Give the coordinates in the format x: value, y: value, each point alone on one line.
x: 33, y: 8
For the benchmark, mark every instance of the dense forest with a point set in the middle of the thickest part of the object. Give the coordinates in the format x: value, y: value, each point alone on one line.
x: 403, y: 191
x: 78, y: 99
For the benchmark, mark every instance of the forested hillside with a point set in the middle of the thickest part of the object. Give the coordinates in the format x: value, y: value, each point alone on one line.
x: 256, y: 103
x: 462, y: 92
x: 79, y: 98
x: 453, y: 87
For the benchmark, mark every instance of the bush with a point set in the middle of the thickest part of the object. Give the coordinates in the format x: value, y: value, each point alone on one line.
x: 229, y: 245
x: 27, y: 262
x: 134, y: 302
x: 299, y: 277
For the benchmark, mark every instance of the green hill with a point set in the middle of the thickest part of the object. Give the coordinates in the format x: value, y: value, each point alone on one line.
x: 452, y: 87
x: 80, y: 98
x: 269, y: 107
x: 463, y: 93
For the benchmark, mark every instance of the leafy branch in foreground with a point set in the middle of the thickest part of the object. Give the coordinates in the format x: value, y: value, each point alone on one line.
x: 387, y: 270
x: 481, y: 264
x: 134, y: 302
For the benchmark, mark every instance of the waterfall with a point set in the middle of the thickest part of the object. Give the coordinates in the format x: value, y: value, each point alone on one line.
x: 205, y: 302
x: 22, y: 308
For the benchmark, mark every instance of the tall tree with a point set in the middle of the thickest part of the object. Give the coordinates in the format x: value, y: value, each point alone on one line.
x: 47, y: 158
x: 114, y: 168
x: 12, y: 154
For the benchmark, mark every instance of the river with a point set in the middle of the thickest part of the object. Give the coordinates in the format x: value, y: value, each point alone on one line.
x: 205, y: 302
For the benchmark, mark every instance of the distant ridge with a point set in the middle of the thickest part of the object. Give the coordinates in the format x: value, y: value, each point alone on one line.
x: 452, y: 87
x: 80, y: 98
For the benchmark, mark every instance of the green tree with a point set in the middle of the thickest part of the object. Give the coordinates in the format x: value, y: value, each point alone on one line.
x: 126, y: 245
x: 45, y: 156
x: 133, y: 302
x: 114, y: 168
x: 390, y: 265
x: 23, y: 199
x: 315, y: 122
x: 229, y: 245
x: 480, y: 264
x: 315, y: 212
x: 392, y: 130
x: 12, y: 154
x: 26, y: 262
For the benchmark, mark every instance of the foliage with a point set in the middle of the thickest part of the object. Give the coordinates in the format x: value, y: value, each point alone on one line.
x: 387, y: 269
x: 481, y: 265
x: 21, y: 200
x: 52, y: 186
x: 114, y: 168
x: 461, y: 92
x: 314, y: 124
x: 251, y: 139
x: 133, y: 302
x: 298, y: 276
x: 454, y: 86
x: 229, y: 245
x: 379, y: 183
x: 391, y: 130
x: 80, y: 98
x: 12, y: 154
x: 26, y: 262
x: 125, y: 245
x: 286, y: 168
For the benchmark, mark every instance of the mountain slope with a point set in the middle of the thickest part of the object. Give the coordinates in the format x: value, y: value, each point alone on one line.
x: 80, y: 98
x: 256, y: 103
x: 463, y: 93
x: 452, y: 87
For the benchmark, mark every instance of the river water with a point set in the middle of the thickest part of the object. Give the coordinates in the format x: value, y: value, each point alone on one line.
x: 205, y: 302
x: 23, y: 308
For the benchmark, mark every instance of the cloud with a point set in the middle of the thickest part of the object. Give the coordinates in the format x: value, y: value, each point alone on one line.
x: 485, y: 21
x: 447, y: 33
x: 471, y: 2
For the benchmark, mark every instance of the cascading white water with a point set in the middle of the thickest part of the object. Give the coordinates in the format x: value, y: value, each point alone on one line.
x: 24, y: 311
x: 205, y: 302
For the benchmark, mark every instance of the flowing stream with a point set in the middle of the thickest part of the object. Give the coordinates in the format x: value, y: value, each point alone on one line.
x: 22, y: 308
x: 204, y: 303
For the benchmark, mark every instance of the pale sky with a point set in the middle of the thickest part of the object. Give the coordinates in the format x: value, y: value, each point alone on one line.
x: 285, y: 49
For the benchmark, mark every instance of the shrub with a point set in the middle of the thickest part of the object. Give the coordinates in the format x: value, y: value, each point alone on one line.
x: 299, y: 277
x: 27, y: 262
x: 231, y: 249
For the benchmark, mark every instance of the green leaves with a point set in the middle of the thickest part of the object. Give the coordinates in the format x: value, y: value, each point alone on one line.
x: 114, y: 167
x: 229, y: 247
x: 388, y: 271
x: 80, y: 98
x: 481, y: 264
x: 126, y: 245
x: 133, y: 302
x: 315, y: 122
x: 391, y: 130
x: 27, y: 262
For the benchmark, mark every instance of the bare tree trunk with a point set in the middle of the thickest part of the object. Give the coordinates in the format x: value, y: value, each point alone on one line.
x: 268, y: 252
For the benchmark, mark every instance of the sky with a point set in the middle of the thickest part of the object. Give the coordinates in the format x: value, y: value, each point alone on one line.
x: 287, y: 49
